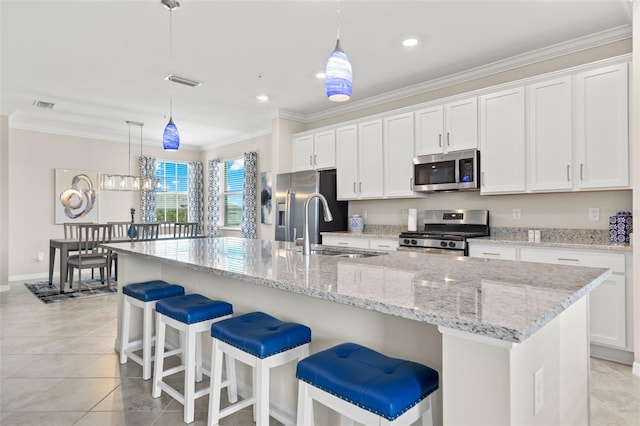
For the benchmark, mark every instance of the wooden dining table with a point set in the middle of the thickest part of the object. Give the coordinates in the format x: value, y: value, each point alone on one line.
x: 66, y: 245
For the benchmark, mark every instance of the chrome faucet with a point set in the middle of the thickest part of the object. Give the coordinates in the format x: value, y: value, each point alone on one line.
x: 306, y: 245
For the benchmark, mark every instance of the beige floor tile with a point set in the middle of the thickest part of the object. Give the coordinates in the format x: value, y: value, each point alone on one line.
x: 72, y: 395
x: 133, y: 395
x: 56, y: 365
x: 15, y: 393
x: 51, y: 418
x: 122, y: 418
x: 101, y: 366
x: 16, y: 364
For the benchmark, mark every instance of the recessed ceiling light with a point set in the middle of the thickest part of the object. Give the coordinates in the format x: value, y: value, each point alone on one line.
x: 320, y: 75
x: 410, y: 42
x: 183, y: 80
x: 262, y: 98
x: 43, y: 104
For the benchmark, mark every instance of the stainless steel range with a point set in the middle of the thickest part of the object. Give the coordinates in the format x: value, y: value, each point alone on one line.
x: 446, y: 231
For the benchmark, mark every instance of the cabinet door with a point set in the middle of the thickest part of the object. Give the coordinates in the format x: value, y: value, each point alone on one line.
x: 550, y: 137
x: 493, y: 251
x: 355, y: 242
x: 398, y: 155
x: 461, y: 125
x: 429, y: 124
x: 347, y: 162
x: 303, y: 153
x: 502, y: 142
x: 602, y: 130
x: 324, y: 156
x: 607, y: 313
x: 370, y: 184
x: 383, y: 244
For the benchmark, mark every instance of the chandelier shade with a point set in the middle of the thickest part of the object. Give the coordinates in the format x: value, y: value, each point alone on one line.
x: 338, y: 75
x: 171, y: 137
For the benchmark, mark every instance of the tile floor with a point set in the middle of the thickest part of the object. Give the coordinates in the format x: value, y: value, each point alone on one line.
x: 58, y: 367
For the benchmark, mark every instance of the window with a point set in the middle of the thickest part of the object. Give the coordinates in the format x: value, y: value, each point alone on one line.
x: 231, y: 197
x: 171, y: 194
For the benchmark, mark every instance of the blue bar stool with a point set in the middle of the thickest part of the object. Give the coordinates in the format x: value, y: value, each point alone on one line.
x: 142, y: 295
x: 191, y: 315
x: 262, y: 342
x: 366, y: 386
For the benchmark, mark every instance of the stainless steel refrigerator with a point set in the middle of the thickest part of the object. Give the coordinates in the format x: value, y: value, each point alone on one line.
x: 292, y: 190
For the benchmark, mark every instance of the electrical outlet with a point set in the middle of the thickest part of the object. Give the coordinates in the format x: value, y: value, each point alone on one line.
x: 594, y: 213
x: 364, y: 214
x: 40, y: 256
x: 538, y: 390
x: 516, y: 214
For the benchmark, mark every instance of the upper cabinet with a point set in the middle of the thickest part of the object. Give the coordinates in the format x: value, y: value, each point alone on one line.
x: 315, y: 151
x: 502, y: 142
x: 359, y: 161
x: 602, y: 128
x: 550, y: 135
x: 398, y: 155
x: 449, y: 127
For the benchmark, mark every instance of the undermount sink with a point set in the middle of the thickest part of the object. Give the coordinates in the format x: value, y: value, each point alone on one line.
x: 350, y: 254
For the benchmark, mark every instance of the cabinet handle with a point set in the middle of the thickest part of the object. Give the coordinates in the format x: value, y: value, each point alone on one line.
x: 482, y: 178
x: 448, y: 139
x: 354, y: 188
x: 383, y: 245
x: 566, y: 259
x: 411, y: 184
x: 490, y: 254
x: 311, y: 160
x: 568, y: 178
x: 581, y: 167
x: 341, y: 243
x: 315, y: 159
x: 440, y: 140
x: 360, y: 188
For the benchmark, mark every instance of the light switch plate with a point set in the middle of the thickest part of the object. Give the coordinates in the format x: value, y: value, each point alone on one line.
x: 594, y: 213
x: 516, y: 214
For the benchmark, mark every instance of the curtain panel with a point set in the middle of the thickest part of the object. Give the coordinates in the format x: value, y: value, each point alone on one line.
x: 147, y: 168
x: 213, y: 199
x: 249, y: 224
x: 195, y: 194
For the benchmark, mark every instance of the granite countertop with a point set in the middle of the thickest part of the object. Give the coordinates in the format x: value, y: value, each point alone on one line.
x: 505, y: 300
x: 366, y: 234
x: 585, y: 243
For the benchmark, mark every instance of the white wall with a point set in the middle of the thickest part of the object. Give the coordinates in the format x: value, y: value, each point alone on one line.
x: 33, y: 158
x: 4, y: 202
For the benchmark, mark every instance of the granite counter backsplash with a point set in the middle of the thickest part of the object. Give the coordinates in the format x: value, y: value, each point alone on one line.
x: 554, y: 235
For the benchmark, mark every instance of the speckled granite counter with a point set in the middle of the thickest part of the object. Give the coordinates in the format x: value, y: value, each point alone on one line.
x: 500, y: 299
x: 579, y: 244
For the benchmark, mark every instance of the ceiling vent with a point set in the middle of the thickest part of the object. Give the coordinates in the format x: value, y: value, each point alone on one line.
x: 42, y: 104
x: 183, y: 80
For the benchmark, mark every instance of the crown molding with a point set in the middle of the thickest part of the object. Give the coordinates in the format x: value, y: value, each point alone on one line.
x: 550, y: 52
x: 290, y: 115
x: 237, y: 139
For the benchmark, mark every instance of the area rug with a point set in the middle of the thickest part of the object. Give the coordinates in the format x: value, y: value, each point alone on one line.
x: 51, y: 293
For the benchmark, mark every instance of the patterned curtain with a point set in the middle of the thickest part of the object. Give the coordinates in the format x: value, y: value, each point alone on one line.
x: 195, y: 194
x: 147, y: 166
x: 249, y: 224
x: 213, y: 199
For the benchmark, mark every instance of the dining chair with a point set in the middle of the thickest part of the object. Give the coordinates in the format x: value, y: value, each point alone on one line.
x: 185, y: 230
x: 166, y: 228
x: 119, y: 229
x: 71, y: 233
x: 91, y: 254
x: 147, y: 231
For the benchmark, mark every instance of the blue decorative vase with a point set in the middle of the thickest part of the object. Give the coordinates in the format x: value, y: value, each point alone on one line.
x: 620, y: 226
x: 132, y: 232
x: 356, y: 224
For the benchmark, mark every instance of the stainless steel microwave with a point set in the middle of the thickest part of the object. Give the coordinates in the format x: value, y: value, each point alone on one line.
x: 453, y: 171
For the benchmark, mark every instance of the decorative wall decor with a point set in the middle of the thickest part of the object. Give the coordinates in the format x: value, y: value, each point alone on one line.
x: 75, y: 196
x: 265, y: 197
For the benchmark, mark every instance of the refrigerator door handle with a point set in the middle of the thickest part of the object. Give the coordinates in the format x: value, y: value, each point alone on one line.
x: 287, y: 215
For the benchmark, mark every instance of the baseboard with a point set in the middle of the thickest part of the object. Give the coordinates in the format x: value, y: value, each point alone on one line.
x: 636, y: 369
x: 612, y: 354
x: 43, y: 275
x: 4, y: 288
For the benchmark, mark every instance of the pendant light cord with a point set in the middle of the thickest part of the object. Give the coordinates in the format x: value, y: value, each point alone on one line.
x: 338, y: 19
x: 170, y: 63
x: 129, y: 123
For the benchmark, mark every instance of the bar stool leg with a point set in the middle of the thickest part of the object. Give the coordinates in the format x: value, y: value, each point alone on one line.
x: 198, y: 357
x: 305, y: 405
x: 216, y: 387
x: 147, y: 341
x: 232, y: 389
x: 159, y: 364
x: 124, y: 332
x: 190, y: 376
x: 262, y: 397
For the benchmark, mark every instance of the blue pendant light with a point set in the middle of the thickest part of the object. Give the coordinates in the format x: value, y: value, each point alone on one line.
x: 338, y: 75
x: 170, y: 137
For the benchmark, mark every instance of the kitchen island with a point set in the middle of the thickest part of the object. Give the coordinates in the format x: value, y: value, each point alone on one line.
x: 491, y: 328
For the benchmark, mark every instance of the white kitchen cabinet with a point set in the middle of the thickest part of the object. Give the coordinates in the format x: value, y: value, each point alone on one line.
x: 359, y: 164
x: 382, y: 244
x: 449, y: 127
x: 314, y: 151
x: 550, y: 153
x: 492, y: 251
x: 502, y: 142
x: 601, y: 128
x: 398, y: 155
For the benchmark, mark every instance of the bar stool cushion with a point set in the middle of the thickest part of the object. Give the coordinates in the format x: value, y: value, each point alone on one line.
x: 152, y: 290
x: 260, y: 335
x: 385, y: 386
x: 193, y: 308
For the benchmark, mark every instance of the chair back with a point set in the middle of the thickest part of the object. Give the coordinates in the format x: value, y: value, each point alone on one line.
x: 166, y: 228
x: 185, y: 230
x: 147, y: 231
x: 71, y: 229
x: 90, y: 237
x: 119, y: 229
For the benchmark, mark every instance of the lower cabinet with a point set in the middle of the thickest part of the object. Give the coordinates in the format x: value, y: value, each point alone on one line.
x: 384, y: 244
x: 610, y: 321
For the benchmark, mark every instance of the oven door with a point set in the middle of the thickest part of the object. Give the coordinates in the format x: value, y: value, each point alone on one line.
x: 432, y: 250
